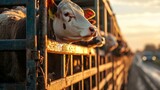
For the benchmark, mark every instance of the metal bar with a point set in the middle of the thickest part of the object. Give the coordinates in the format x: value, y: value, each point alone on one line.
x: 107, y: 6
x: 12, y: 2
x: 31, y: 44
x: 97, y: 13
x: 16, y: 44
x: 71, y: 58
x: 63, y: 65
x: 119, y: 62
x: 119, y: 79
x: 63, y: 70
x: 90, y: 66
x: 98, y: 73
x: 42, y: 36
x: 105, y: 21
x: 82, y: 59
x: 105, y: 66
x: 119, y: 69
x: 109, y: 76
x: 63, y: 48
x: 102, y: 83
x: 61, y: 83
x: 113, y: 72
x: 84, y: 3
x: 110, y: 87
x: 17, y: 86
x: 96, y: 5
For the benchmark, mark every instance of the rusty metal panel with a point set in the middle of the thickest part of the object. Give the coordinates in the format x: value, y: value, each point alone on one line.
x: 10, y: 44
x: 63, y: 48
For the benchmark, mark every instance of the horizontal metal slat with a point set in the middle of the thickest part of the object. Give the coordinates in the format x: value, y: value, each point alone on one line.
x: 119, y: 62
x: 120, y: 79
x: 109, y: 76
x: 12, y: 2
x: 10, y: 44
x: 16, y: 86
x: 104, y: 81
x: 67, y: 81
x: 105, y: 66
x: 63, y: 48
x: 110, y: 87
x: 119, y: 69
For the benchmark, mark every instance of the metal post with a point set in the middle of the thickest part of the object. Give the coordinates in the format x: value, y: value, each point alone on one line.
x: 90, y: 67
x: 97, y: 50
x: 105, y: 20
x: 31, y: 45
x: 64, y: 69
x: 42, y: 36
x: 82, y: 67
x: 71, y: 58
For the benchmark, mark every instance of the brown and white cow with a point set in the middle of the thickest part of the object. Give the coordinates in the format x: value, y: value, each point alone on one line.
x: 69, y: 25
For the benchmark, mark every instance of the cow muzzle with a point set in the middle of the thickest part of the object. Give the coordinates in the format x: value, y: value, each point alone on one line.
x: 92, y: 31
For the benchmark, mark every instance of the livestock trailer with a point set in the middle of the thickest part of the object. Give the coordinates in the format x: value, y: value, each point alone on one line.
x: 51, y: 65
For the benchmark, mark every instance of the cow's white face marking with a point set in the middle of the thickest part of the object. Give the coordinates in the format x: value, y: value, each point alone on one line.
x: 70, y: 24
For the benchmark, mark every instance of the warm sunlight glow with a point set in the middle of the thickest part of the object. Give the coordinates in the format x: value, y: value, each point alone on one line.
x: 139, y: 21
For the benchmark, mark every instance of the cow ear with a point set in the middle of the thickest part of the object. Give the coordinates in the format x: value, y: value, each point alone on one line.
x: 52, y: 8
x: 92, y: 21
x: 89, y: 13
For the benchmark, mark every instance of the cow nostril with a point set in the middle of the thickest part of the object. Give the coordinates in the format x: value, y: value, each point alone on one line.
x: 102, y: 39
x: 91, y: 29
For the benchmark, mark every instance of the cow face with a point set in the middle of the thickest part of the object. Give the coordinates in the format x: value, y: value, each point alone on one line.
x: 110, y: 44
x: 70, y: 24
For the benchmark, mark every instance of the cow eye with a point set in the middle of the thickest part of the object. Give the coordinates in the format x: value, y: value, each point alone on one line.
x: 66, y: 14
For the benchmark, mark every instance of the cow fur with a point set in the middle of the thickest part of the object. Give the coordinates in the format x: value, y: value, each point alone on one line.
x: 11, y: 27
x: 111, y: 43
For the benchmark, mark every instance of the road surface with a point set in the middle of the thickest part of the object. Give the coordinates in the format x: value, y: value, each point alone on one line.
x: 143, y: 75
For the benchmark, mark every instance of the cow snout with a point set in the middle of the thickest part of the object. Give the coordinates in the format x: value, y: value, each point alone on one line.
x: 92, y: 30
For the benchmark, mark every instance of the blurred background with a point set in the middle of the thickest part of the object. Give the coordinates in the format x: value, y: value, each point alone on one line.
x: 139, y: 21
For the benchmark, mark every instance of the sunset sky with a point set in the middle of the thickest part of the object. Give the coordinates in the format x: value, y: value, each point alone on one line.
x: 139, y: 21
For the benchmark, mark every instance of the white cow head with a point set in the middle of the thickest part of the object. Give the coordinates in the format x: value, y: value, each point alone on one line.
x: 70, y: 24
x: 111, y: 43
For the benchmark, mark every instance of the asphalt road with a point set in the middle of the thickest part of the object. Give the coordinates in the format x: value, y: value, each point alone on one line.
x: 143, y: 75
